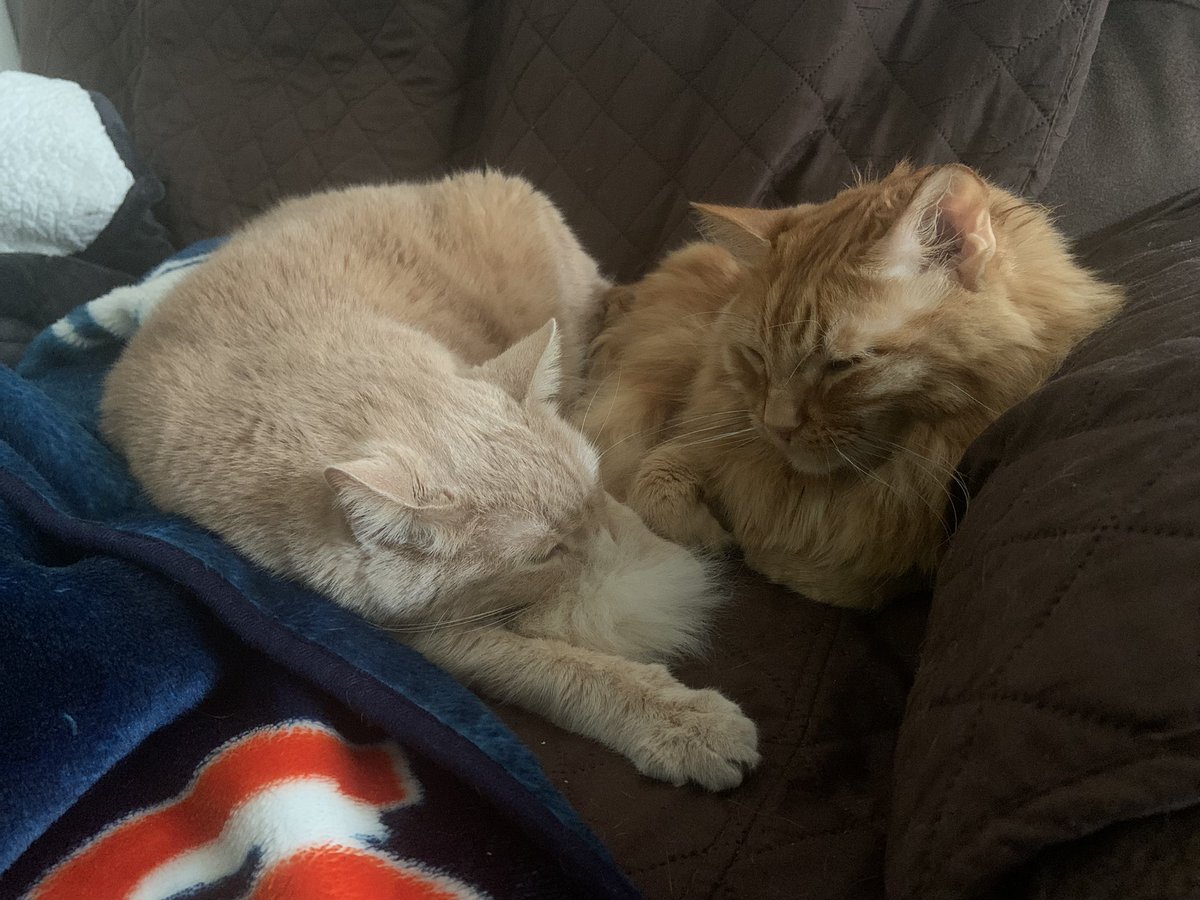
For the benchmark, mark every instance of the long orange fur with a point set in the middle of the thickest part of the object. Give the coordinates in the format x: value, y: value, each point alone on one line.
x: 804, y: 384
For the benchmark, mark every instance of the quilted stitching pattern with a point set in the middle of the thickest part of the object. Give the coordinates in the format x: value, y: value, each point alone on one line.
x: 622, y: 110
x: 1060, y: 678
x: 237, y: 104
x: 827, y: 690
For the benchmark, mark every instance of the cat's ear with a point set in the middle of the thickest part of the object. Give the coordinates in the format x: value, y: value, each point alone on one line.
x: 948, y: 222
x: 531, y: 369
x: 744, y: 232
x: 388, y: 497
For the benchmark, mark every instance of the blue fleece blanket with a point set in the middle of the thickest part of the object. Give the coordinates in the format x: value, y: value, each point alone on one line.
x: 118, y: 620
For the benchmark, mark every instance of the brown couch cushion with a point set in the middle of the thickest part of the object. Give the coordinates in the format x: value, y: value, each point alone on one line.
x: 1059, y: 684
x: 826, y: 688
x: 623, y: 111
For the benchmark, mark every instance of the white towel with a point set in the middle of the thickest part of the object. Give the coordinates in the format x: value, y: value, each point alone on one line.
x: 61, y: 179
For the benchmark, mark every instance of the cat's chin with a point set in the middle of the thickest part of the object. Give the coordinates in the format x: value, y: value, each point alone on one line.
x: 805, y: 462
x: 824, y: 461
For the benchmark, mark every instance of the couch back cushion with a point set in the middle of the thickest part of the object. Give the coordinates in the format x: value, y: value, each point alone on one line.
x: 1059, y: 684
x: 622, y: 111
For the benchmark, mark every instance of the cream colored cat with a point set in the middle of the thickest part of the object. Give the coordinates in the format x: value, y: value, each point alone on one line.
x: 357, y: 391
x: 805, y: 385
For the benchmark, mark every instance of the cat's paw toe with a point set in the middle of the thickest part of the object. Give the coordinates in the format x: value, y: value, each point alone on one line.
x: 697, y: 528
x: 704, y: 738
x: 707, y: 534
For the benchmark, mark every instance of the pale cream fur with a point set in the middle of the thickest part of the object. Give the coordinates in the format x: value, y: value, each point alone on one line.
x: 357, y: 391
x: 804, y: 385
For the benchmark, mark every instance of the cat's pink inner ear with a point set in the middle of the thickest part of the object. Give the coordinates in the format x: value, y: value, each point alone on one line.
x: 531, y: 369
x: 743, y: 231
x: 948, y: 222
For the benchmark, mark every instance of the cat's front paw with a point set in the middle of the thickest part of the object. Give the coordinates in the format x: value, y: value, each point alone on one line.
x: 699, y: 736
x: 668, y: 497
x: 702, y: 531
x: 691, y: 525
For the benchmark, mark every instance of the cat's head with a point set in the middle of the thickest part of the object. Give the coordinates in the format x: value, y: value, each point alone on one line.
x: 888, y: 305
x: 497, y: 504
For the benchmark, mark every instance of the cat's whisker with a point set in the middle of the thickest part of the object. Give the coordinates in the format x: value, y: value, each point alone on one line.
x: 879, y: 443
x: 616, y: 393
x: 729, y: 413
x: 719, y: 437
x: 939, y: 480
x: 703, y: 435
x: 587, y: 412
x: 938, y: 472
x: 951, y: 473
x: 869, y: 474
x: 856, y: 467
x: 987, y: 409
x: 724, y: 420
x: 498, y: 623
x: 487, y: 616
x: 792, y: 322
x: 792, y: 374
x: 615, y: 444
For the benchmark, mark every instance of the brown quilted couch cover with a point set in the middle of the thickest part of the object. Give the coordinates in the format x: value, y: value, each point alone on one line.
x: 1054, y: 692
x: 622, y: 110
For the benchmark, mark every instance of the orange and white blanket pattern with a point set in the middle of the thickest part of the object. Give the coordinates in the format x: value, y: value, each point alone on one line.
x: 297, y: 795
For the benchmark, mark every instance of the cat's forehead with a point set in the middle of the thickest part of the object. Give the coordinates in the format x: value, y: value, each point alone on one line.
x: 818, y: 284
x: 844, y: 318
x: 896, y: 309
x: 798, y: 309
x: 541, y: 463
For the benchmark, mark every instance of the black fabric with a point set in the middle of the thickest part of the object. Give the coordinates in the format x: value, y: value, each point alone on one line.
x: 1146, y: 859
x: 37, y: 289
x: 133, y: 241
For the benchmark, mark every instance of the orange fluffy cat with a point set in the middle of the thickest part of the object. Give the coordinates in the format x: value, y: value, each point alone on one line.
x: 804, y: 385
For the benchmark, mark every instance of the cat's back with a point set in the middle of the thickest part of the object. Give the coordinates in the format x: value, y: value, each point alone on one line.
x: 644, y: 363
x: 477, y: 260
x: 342, y: 288
x: 285, y: 325
x: 325, y: 322
x: 647, y: 322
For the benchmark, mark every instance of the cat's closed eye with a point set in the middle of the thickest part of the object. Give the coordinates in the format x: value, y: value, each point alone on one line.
x: 842, y: 365
x: 753, y: 357
x: 836, y: 365
x: 553, y: 553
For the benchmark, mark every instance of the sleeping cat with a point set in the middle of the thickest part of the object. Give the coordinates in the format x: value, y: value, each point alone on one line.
x: 358, y: 391
x: 804, y: 385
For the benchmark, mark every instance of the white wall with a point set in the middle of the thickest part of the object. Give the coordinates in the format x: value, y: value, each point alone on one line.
x: 8, y: 46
